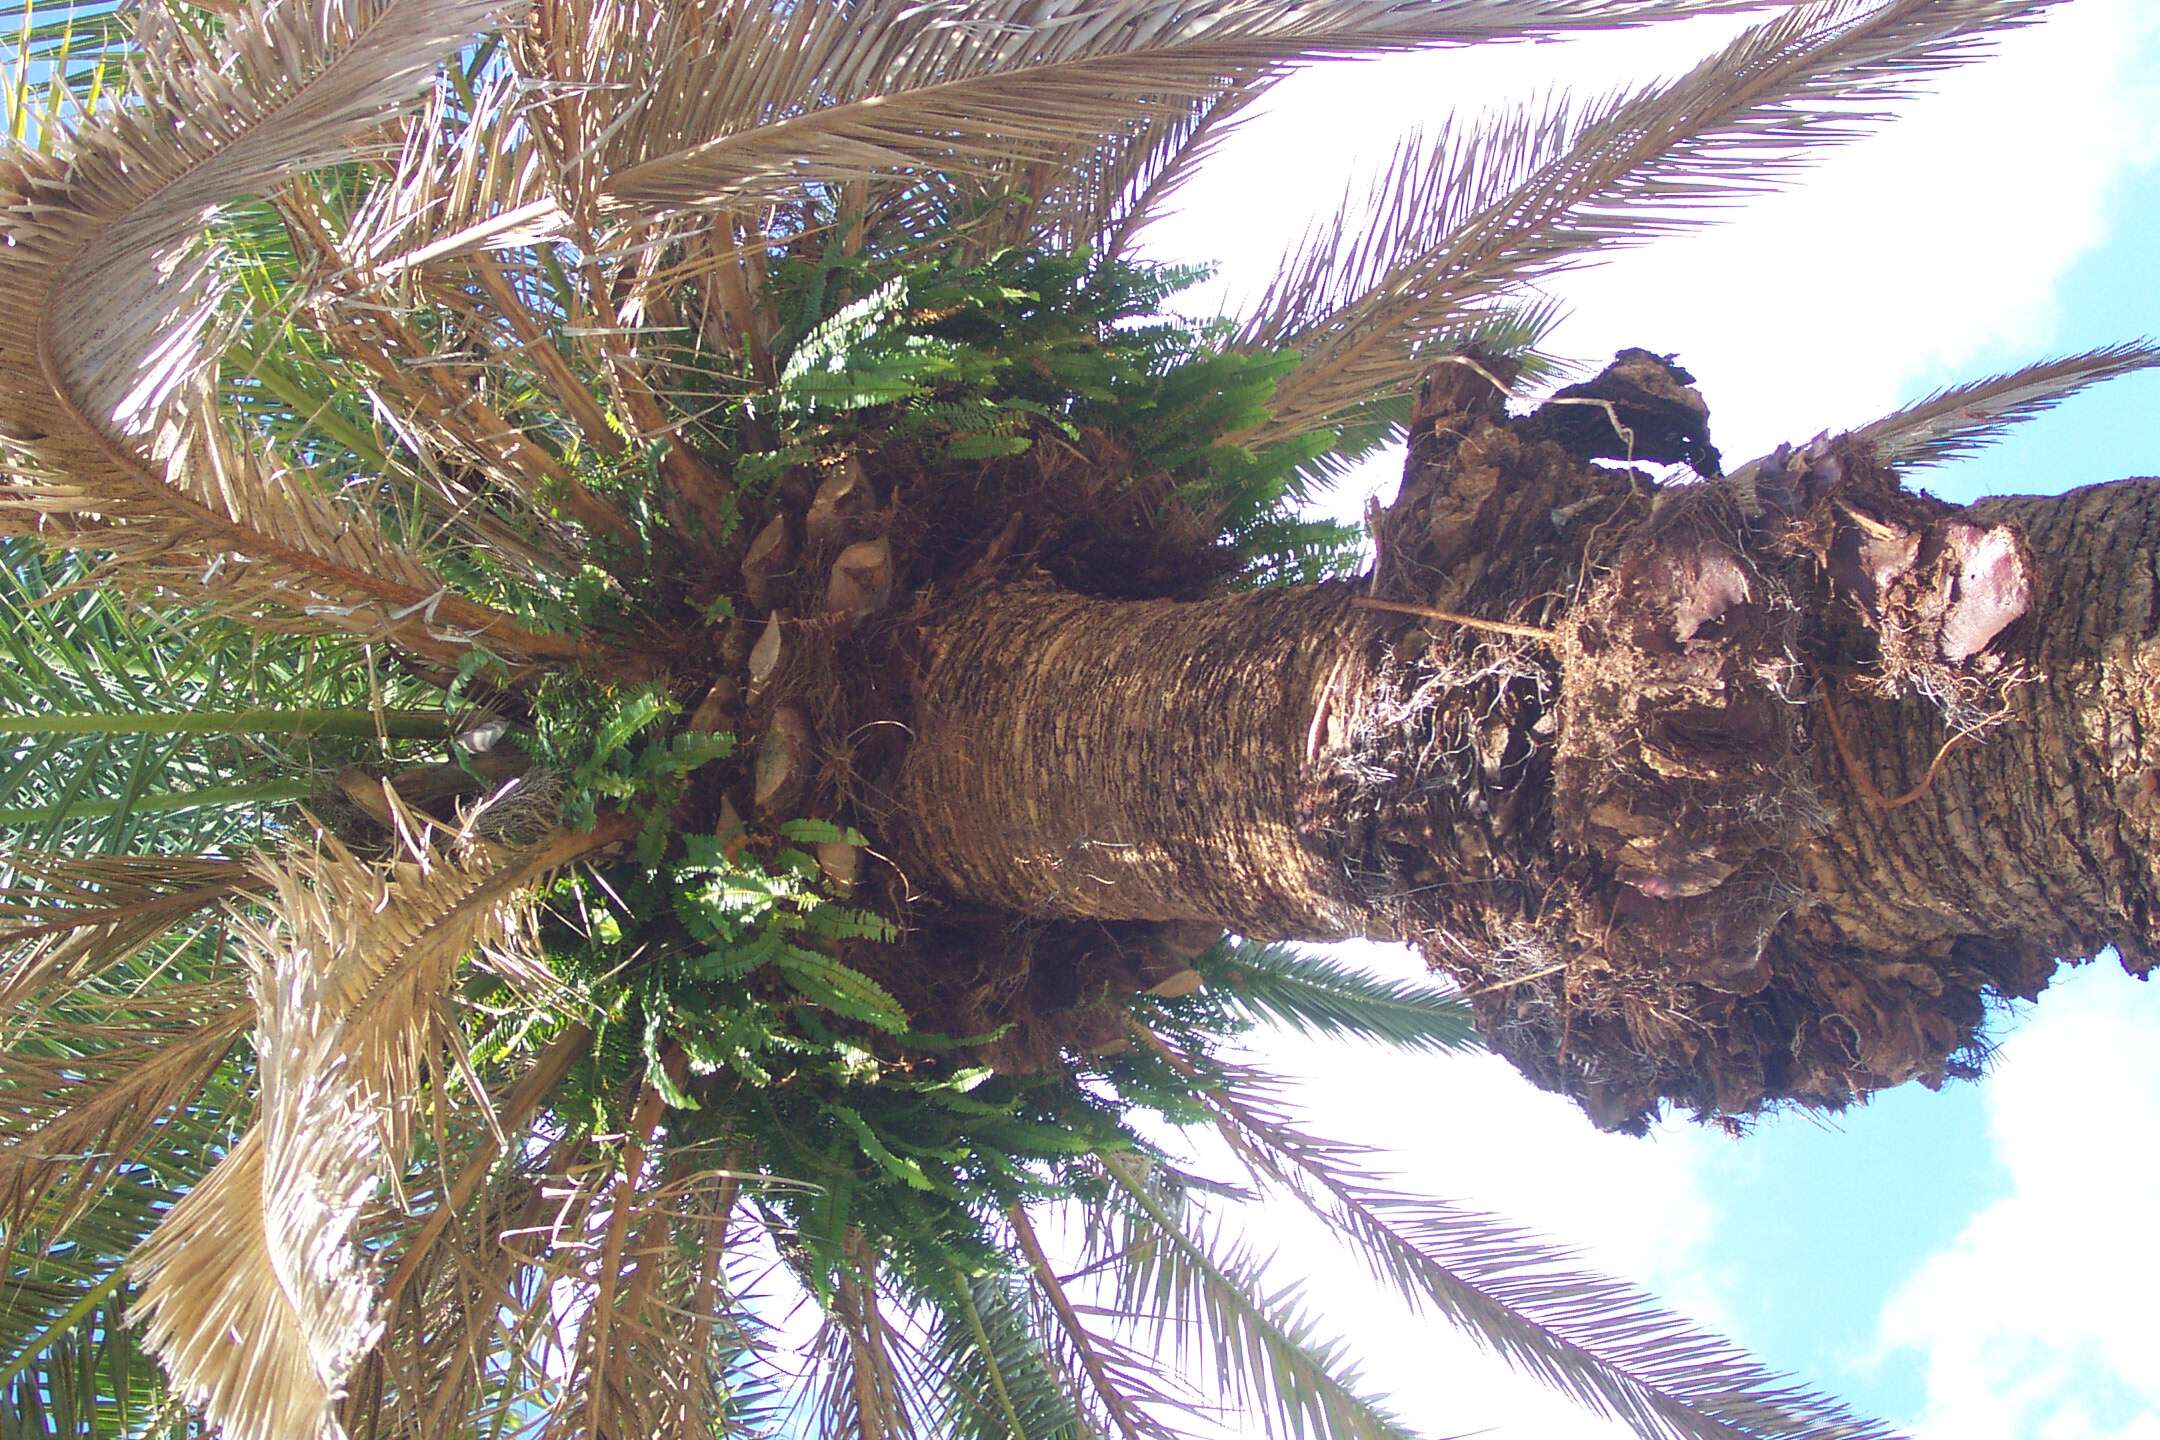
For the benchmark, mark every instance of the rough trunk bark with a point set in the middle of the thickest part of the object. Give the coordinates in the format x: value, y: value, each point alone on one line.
x: 1141, y: 760
x: 1790, y: 778
x: 2035, y: 838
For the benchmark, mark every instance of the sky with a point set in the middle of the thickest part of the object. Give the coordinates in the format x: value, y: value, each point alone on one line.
x: 1974, y: 1264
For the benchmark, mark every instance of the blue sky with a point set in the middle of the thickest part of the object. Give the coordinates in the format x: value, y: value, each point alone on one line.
x: 1932, y: 1157
x: 1972, y: 1264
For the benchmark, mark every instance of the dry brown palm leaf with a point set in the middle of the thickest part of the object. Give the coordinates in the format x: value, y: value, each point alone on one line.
x: 417, y: 241
x: 44, y: 893
x: 595, y: 1390
x: 1465, y: 220
x: 519, y: 1105
x: 635, y: 1304
x: 533, y: 1338
x: 466, y: 179
x: 65, y: 918
x: 350, y: 974
x: 1144, y: 172
x: 102, y: 390
x: 656, y: 1375
x: 863, y: 1359
x: 742, y: 101
x: 1099, y: 191
x: 452, y: 1360
x: 698, y: 1396
x: 735, y: 315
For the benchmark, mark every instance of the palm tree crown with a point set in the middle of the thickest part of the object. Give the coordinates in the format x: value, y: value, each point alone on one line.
x: 475, y: 485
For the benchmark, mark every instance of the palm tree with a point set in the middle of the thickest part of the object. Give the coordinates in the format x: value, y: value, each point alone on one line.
x: 645, y: 677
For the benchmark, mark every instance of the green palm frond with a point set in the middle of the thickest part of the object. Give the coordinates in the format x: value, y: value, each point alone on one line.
x: 1467, y: 216
x: 65, y: 60
x: 86, y: 1375
x: 1960, y: 420
x: 1107, y: 1382
x: 1326, y: 998
x: 160, y: 731
x: 1602, y: 1341
x: 1265, y: 1350
x: 1005, y: 1381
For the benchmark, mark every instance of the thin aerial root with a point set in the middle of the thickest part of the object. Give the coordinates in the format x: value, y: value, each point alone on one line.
x: 1859, y: 774
x: 1470, y: 622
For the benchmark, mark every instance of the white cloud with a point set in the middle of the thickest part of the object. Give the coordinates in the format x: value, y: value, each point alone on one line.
x: 2036, y: 1320
x: 1940, y: 239
x: 1471, y: 1130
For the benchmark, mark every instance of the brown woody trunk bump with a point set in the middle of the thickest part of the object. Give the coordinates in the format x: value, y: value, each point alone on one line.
x: 1790, y: 777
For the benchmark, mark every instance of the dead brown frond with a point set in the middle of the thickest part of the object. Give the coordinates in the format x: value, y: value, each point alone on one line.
x: 864, y: 1358
x: 351, y: 970
x: 730, y: 115
x: 84, y: 1098
x: 1134, y: 182
x: 465, y: 181
x: 691, y: 1416
x: 103, y: 381
x: 1956, y: 422
x: 518, y: 1107
x: 467, y: 1340
x: 446, y: 393
x: 637, y: 1301
x: 66, y: 918
x: 602, y: 1363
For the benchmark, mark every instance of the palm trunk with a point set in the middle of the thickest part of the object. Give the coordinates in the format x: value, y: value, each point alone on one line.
x: 1140, y: 760
x: 2037, y: 837
x: 1699, y: 841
